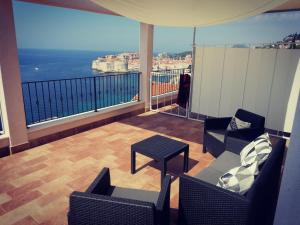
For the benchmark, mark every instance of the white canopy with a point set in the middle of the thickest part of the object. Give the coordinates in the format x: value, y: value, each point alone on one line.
x: 188, y: 13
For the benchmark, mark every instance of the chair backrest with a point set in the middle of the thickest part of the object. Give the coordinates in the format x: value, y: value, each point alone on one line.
x: 264, y: 191
x: 87, y: 208
x: 256, y: 120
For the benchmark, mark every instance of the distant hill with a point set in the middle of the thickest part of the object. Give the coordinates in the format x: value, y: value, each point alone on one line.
x: 239, y: 46
x: 291, y: 41
x: 181, y: 54
x: 291, y: 37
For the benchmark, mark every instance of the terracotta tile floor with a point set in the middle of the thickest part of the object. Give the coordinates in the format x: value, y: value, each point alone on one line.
x: 35, y: 184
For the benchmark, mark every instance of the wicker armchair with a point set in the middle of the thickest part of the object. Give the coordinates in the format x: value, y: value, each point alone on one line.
x: 216, y: 133
x: 110, y: 205
x: 202, y: 202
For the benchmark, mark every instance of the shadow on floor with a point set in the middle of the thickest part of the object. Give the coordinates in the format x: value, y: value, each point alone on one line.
x: 174, y: 166
x: 169, y: 125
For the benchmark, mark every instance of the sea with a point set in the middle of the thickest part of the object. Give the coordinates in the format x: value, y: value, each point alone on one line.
x: 41, y: 64
x: 61, y: 83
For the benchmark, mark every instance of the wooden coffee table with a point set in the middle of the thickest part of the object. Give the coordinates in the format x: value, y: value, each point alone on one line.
x: 161, y: 149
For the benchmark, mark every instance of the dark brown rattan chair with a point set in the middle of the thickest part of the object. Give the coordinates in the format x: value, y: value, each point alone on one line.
x: 103, y: 203
x: 202, y: 202
x: 216, y: 133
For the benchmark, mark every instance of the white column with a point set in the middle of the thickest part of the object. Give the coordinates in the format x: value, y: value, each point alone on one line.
x: 288, y: 205
x: 10, y: 81
x: 146, y: 55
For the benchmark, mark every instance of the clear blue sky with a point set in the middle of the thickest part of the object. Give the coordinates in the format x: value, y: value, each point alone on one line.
x: 40, y: 26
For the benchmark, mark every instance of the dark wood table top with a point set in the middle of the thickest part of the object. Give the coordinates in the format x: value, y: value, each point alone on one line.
x: 159, y: 147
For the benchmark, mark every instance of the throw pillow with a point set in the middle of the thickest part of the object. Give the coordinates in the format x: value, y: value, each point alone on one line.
x: 257, y: 150
x: 236, y: 124
x: 239, y: 179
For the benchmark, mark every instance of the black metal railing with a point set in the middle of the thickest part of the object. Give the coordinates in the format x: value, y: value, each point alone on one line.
x: 1, y: 122
x: 165, y: 81
x: 52, y: 99
x: 1, y: 127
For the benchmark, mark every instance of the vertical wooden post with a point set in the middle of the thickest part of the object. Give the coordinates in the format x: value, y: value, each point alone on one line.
x: 146, y: 55
x: 10, y: 81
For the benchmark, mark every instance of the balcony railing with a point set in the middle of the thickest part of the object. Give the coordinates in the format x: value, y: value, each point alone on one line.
x: 53, y: 99
x: 1, y: 123
x: 165, y: 81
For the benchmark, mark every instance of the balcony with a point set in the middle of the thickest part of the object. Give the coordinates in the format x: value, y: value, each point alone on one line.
x: 35, y: 184
x: 72, y: 128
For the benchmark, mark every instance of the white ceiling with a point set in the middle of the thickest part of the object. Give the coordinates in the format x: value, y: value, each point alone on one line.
x: 96, y: 6
x: 88, y: 5
x: 85, y: 5
x: 190, y: 13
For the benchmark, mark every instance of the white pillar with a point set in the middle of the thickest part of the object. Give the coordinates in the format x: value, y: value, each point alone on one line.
x: 288, y: 205
x: 10, y: 81
x: 146, y: 55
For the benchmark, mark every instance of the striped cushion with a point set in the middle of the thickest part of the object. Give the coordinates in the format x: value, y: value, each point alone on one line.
x: 239, y: 179
x: 236, y: 124
x: 256, y: 151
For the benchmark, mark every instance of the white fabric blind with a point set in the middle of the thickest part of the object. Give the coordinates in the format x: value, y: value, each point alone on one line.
x: 264, y: 81
x: 188, y: 13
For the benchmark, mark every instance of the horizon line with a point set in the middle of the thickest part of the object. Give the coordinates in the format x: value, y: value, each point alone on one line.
x: 88, y: 50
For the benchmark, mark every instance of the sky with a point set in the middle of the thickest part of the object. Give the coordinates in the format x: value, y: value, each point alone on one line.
x: 47, y: 27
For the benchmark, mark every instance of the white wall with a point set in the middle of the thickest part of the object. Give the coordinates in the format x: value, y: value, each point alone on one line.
x: 288, y: 206
x: 291, y: 104
x: 258, y: 80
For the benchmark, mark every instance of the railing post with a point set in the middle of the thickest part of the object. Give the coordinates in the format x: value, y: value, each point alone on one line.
x: 139, y: 86
x: 151, y: 93
x: 1, y: 120
x: 95, y: 94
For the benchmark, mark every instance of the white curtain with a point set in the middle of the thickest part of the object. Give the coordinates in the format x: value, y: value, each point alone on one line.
x: 263, y: 81
x: 188, y: 13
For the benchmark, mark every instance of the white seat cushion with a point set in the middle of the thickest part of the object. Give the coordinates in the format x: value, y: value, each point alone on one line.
x: 209, y: 175
x: 136, y: 194
x: 226, y: 161
x: 217, y: 134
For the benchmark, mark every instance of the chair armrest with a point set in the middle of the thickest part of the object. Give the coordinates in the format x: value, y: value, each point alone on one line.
x: 248, y: 134
x: 163, y: 202
x: 204, y: 203
x: 87, y: 208
x: 101, y: 184
x: 216, y: 123
x: 235, y: 145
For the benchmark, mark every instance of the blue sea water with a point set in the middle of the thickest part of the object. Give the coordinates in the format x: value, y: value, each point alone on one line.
x: 41, y: 64
x: 60, y: 83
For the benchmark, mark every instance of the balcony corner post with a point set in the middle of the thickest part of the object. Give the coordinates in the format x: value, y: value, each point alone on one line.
x: 11, y: 96
x: 146, y: 56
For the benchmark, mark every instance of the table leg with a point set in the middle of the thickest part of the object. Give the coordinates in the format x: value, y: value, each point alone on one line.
x: 186, y: 160
x: 163, y: 171
x: 133, y: 154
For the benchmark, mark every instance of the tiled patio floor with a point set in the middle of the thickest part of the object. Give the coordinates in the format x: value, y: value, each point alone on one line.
x: 35, y: 184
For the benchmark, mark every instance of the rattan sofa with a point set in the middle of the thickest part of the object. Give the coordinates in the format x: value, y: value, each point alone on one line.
x: 201, y: 202
x: 216, y: 133
x: 103, y: 203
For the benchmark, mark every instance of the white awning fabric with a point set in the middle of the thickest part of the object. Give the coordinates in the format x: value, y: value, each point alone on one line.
x: 188, y: 13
